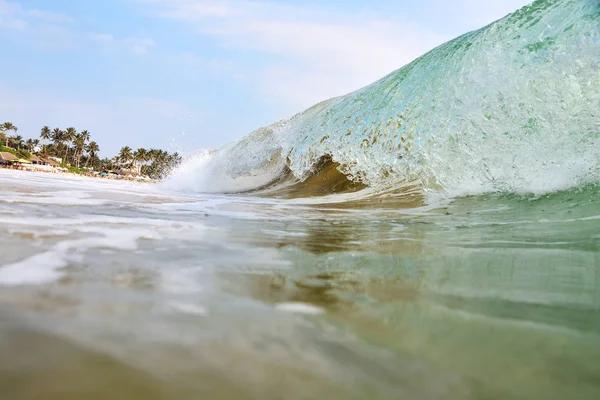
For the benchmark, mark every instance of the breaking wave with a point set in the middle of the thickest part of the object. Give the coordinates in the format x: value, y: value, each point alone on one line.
x: 512, y: 107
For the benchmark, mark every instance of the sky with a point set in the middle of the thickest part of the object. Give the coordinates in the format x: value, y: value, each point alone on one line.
x: 187, y: 74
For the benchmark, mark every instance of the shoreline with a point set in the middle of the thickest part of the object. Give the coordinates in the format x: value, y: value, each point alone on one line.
x: 55, y: 171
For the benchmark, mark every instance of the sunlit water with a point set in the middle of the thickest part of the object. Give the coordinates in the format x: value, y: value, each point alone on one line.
x: 115, y: 290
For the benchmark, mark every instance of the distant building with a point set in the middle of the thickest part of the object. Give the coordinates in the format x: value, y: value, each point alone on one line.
x: 7, y: 158
x: 48, y: 161
x: 37, y: 160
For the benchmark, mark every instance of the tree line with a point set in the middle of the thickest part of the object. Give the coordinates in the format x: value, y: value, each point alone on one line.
x: 76, y: 149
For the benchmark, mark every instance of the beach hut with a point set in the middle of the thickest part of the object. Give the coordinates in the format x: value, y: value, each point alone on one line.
x: 50, y: 162
x: 7, y: 158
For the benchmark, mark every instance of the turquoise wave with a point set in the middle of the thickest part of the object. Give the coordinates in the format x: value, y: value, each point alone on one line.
x: 511, y: 107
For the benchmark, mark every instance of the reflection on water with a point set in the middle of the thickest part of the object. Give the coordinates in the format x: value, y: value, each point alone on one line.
x: 181, y: 297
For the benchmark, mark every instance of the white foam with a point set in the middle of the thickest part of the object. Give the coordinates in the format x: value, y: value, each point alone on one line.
x: 191, y: 174
x: 39, y: 269
x: 44, y: 267
x: 181, y: 281
x: 60, y: 197
x: 300, y: 308
x: 251, y: 165
x: 187, y: 308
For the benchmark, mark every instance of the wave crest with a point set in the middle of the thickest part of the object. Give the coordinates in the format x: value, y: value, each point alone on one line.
x: 511, y: 107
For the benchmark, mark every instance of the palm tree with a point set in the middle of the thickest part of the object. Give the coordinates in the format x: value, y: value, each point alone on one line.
x: 92, y: 149
x: 153, y: 155
x: 45, y: 134
x: 30, y: 145
x: 58, y: 138
x: 140, y: 157
x: 57, y: 135
x: 161, y: 162
x: 84, y: 138
x: 69, y: 136
x: 107, y: 164
x: 17, y: 141
x: 125, y: 156
x: 6, y: 127
x: 86, y: 135
x: 9, y: 126
x: 79, y: 146
x: 154, y: 162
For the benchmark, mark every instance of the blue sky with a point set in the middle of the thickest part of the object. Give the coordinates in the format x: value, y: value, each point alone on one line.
x: 189, y: 74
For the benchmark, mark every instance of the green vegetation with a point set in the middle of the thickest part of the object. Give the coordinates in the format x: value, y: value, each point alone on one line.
x: 79, y: 154
x: 17, y: 153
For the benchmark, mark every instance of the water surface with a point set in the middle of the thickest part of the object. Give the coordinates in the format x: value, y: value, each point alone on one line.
x: 124, y: 291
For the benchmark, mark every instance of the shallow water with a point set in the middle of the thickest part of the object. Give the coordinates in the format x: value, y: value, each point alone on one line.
x: 124, y: 291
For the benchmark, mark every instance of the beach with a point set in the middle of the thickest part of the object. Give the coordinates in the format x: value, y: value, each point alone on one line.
x: 64, y: 171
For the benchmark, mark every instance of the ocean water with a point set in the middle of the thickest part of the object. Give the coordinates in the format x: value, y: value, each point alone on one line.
x: 435, y: 235
x: 125, y: 291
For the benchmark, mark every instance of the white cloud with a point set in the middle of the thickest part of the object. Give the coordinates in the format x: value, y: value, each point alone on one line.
x: 14, y: 16
x: 102, y: 38
x: 49, y: 16
x: 140, y: 46
x: 111, y: 43
x: 314, y: 54
x: 480, y: 13
x: 9, y: 8
x: 51, y: 31
x: 44, y: 29
x: 193, y: 60
x: 13, y: 24
x: 204, y: 8
x: 11, y: 16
